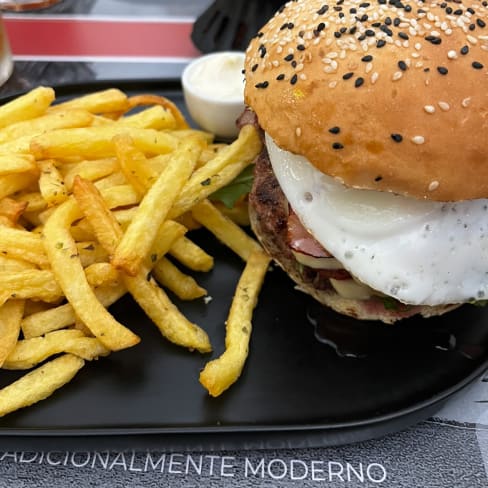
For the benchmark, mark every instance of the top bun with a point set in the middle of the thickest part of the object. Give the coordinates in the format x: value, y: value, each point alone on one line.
x: 388, y: 95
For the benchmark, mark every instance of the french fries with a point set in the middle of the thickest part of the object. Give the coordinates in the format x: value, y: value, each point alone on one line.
x: 97, y: 197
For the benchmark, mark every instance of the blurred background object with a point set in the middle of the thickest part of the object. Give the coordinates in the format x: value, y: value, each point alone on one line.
x: 6, y: 61
x: 24, y: 5
x: 230, y: 24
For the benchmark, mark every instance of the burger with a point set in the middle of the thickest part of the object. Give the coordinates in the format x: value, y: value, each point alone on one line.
x: 372, y: 190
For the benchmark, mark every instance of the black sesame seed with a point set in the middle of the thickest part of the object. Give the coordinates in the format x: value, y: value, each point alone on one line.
x: 337, y: 9
x: 386, y: 30
x: 458, y: 12
x: 481, y: 23
x: 364, y: 18
x: 470, y: 10
x: 280, y: 77
x: 288, y: 57
x: 370, y: 32
x: 301, y: 47
x: 343, y: 30
x: 339, y: 2
x: 301, y: 33
x: 293, y: 79
x: 472, y: 27
x: 362, y: 37
x: 376, y: 24
x: 426, y: 70
x: 337, y: 34
x: 396, y: 21
x: 293, y: 64
x: 358, y: 82
x: 397, y: 137
x: 291, y: 25
x: 337, y: 145
x: 476, y: 65
x: 323, y: 9
x: 260, y: 34
x: 347, y: 76
x: 378, y: 178
x: 382, y: 2
x: 464, y: 50
x: 284, y: 26
x: 353, y: 29
x: 485, y: 4
x: 408, y: 8
x: 254, y: 68
x: 380, y: 43
x: 263, y: 50
x: 353, y: 11
x: 364, y: 5
x: 341, y: 15
x: 422, y: 11
x: 404, y: 36
x: 443, y: 5
x: 402, y: 65
x: 448, y: 10
x: 321, y: 26
x: 388, y: 21
x: 335, y: 130
x: 264, y: 84
x: 367, y: 58
x: 442, y: 70
x: 433, y: 39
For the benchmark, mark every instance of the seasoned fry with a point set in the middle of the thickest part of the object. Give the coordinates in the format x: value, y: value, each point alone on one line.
x: 10, y: 184
x: 10, y: 318
x: 28, y: 353
x: 105, y: 101
x: 28, y: 106
x: 51, y: 183
x: 52, y: 121
x: 150, y: 99
x: 171, y: 323
x: 67, y: 267
x: 45, y: 321
x: 95, y: 142
x: 181, y: 284
x: 191, y: 255
x: 156, y: 117
x: 16, y: 163
x: 39, y: 383
x: 139, y: 236
x: 18, y: 243
x: 222, y: 372
x: 227, y: 164
x: 225, y: 229
x: 91, y: 170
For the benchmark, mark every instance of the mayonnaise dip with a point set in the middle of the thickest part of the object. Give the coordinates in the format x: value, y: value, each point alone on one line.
x: 219, y: 76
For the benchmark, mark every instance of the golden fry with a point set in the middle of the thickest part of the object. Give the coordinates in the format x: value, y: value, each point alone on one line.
x: 171, y: 323
x: 225, y: 229
x: 222, y: 169
x: 138, y: 238
x: 191, y: 255
x: 39, y: 383
x: 105, y: 101
x: 28, y: 353
x: 91, y: 170
x: 63, y: 256
x: 51, y: 183
x: 150, y: 99
x: 10, y: 318
x: 181, y: 284
x: 95, y: 142
x: 28, y: 106
x: 156, y: 117
x: 222, y: 372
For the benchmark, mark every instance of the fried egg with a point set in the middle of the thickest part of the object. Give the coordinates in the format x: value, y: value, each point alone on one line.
x: 419, y: 251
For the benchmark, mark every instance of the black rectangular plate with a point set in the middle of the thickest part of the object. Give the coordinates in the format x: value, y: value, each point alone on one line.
x: 296, y: 390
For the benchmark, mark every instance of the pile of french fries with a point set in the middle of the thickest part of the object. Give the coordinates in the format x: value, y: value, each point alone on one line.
x: 95, y: 192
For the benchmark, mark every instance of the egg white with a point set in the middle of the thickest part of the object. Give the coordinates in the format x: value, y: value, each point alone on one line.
x: 418, y: 251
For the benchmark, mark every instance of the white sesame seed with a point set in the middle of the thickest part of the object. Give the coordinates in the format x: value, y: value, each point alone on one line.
x: 418, y: 139
x: 275, y: 63
x: 472, y: 40
x: 466, y: 102
x: 303, y: 76
x: 415, y: 55
x: 430, y: 109
x: 374, y: 77
x: 452, y: 54
x: 418, y: 46
x: 444, y: 106
x: 298, y: 131
x: 332, y: 84
x: 369, y: 67
x: 433, y: 185
x: 397, y: 75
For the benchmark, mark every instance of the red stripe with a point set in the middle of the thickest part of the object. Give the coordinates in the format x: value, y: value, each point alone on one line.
x: 83, y: 37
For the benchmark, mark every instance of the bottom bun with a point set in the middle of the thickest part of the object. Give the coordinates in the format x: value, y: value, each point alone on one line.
x: 268, y: 212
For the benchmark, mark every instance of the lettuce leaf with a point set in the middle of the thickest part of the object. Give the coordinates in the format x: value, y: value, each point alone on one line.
x: 238, y: 187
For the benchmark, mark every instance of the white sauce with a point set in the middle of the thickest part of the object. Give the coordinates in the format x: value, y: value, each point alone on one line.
x: 219, y: 76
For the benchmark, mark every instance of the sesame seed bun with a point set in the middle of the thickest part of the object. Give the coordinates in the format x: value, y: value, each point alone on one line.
x: 387, y: 95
